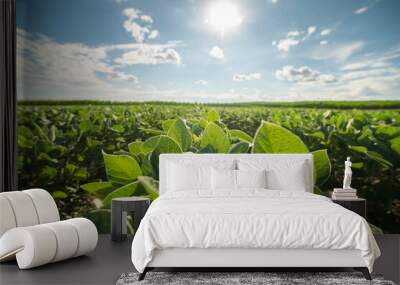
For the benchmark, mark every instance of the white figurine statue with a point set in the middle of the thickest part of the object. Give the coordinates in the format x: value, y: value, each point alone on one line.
x: 347, y: 174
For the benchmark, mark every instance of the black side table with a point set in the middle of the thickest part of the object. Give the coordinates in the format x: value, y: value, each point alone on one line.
x: 357, y: 205
x: 119, y: 209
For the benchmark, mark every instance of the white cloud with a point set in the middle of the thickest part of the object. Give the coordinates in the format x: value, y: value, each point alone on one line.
x: 120, y: 76
x: 131, y: 13
x: 326, y: 32
x: 327, y: 78
x: 285, y: 44
x: 150, y: 54
x: 146, y: 18
x: 340, y: 52
x: 246, y: 77
x: 344, y: 52
x: 60, y: 71
x: 120, y: 1
x: 201, y: 82
x: 324, y: 42
x: 374, y: 61
x: 139, y: 31
x: 153, y: 34
x: 303, y: 74
x: 370, y: 73
x: 217, y: 52
x: 294, y: 33
x: 55, y: 63
x: 274, y: 1
x: 311, y: 30
x: 371, y: 76
x: 377, y: 86
x: 365, y: 64
x: 293, y: 39
x: 361, y: 10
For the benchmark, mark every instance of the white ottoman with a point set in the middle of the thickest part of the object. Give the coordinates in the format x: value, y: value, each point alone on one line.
x: 31, y: 232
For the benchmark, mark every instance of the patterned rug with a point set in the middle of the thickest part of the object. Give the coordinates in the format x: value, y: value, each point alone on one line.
x: 244, y: 278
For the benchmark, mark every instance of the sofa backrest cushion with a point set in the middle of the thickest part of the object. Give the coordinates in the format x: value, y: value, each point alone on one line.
x: 26, y: 208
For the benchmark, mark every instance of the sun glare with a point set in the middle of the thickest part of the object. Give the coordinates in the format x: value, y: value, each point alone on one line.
x: 223, y: 16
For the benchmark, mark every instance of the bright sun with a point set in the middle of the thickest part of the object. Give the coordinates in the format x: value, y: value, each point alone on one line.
x: 223, y: 16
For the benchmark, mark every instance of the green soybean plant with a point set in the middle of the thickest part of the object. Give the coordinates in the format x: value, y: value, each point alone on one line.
x: 135, y: 172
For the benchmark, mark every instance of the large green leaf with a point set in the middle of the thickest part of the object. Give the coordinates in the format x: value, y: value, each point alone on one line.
x: 213, y: 116
x: 25, y: 137
x: 322, y: 166
x: 379, y: 158
x: 372, y: 155
x: 241, y: 136
x: 150, y: 144
x: 95, y: 187
x: 151, y: 131
x: 216, y: 137
x: 48, y: 173
x: 121, y: 169
x: 59, y: 195
x: 150, y: 185
x: 167, y: 124
x: 180, y: 133
x: 196, y: 129
x: 135, y: 147
x: 318, y: 191
x: 395, y: 145
x: 166, y: 145
x: 272, y: 138
x: 147, y: 168
x: 207, y: 149
x: 388, y: 131
x: 99, y: 189
x: 150, y: 165
x: 358, y: 148
x: 357, y: 165
x: 240, y: 147
x: 124, y: 191
x: 203, y: 123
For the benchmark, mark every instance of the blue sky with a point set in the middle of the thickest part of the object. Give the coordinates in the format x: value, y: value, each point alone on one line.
x: 269, y: 50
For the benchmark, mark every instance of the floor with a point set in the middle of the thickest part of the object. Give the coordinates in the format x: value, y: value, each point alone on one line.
x: 110, y: 260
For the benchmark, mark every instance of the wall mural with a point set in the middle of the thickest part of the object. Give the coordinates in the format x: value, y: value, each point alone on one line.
x: 106, y: 86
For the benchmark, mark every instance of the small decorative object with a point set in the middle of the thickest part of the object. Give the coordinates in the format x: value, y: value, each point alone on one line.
x: 347, y: 192
x: 347, y: 174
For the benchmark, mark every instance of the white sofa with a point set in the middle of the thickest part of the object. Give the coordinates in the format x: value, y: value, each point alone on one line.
x: 31, y: 231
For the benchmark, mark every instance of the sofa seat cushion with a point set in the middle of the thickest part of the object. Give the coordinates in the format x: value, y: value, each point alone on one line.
x: 40, y: 244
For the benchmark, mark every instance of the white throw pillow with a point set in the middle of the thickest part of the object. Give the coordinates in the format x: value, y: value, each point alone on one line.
x: 292, y: 179
x: 281, y: 174
x: 251, y: 178
x: 182, y: 177
x: 223, y: 179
